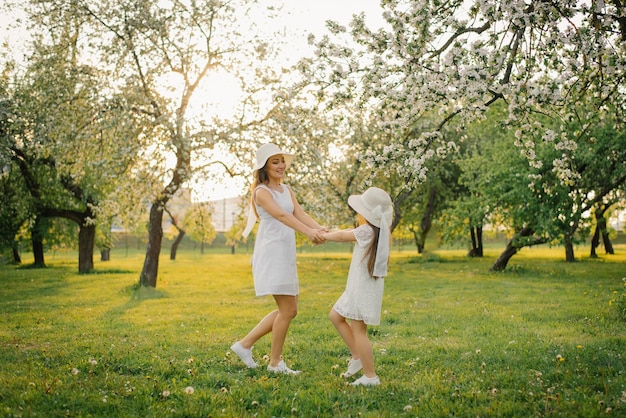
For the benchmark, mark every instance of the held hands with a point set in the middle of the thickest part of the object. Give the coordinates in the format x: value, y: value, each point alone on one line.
x: 316, y: 236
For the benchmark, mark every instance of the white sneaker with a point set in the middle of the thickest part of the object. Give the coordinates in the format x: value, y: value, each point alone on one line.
x: 366, y: 381
x: 353, y: 368
x: 244, y: 354
x: 282, y: 368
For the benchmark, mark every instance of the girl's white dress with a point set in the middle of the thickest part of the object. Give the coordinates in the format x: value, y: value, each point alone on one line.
x: 363, y: 297
x: 274, y: 257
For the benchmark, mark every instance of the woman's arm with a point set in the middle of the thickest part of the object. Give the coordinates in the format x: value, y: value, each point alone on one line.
x: 266, y: 201
x: 301, y: 215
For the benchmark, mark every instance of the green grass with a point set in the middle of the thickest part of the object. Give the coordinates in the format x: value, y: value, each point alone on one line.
x: 544, y: 338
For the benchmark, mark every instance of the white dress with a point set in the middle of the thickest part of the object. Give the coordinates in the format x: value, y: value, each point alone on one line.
x: 274, y: 257
x: 363, y: 298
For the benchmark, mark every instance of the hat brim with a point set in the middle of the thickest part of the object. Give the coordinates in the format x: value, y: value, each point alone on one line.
x: 288, y: 160
x: 356, y: 202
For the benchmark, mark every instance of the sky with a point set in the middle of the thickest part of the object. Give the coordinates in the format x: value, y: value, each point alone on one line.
x: 301, y: 18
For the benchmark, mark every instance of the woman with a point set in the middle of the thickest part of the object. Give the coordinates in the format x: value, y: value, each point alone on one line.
x: 274, y: 258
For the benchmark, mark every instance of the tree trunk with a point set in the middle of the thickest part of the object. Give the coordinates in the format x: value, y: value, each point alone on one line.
x: 17, y: 259
x: 177, y: 241
x: 601, y: 231
x: 86, y: 244
x: 595, y: 242
x: 477, y: 242
x: 418, y: 244
x: 504, y: 257
x: 604, y: 232
x: 38, y: 253
x: 105, y: 254
x: 37, y: 240
x: 150, y: 269
x: 569, y: 249
x: 427, y: 221
x: 512, y: 249
x: 606, y: 240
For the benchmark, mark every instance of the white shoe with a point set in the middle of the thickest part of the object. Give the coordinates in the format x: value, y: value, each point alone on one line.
x: 282, y: 368
x: 353, y: 368
x: 366, y: 381
x: 244, y: 354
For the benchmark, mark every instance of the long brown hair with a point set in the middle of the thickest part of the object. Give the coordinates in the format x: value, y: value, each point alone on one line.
x: 258, y: 177
x: 372, y: 248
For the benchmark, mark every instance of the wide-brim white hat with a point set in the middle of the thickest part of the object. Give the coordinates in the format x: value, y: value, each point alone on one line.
x: 266, y: 151
x: 373, y: 205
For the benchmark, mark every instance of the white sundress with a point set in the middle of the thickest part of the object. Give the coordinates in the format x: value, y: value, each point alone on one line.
x: 363, y: 298
x: 274, y: 257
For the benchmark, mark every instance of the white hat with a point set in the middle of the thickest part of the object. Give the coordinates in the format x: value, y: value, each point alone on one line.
x: 376, y: 206
x: 367, y: 203
x: 266, y: 151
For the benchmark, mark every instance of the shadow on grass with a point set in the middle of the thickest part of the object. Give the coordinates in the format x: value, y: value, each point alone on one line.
x: 137, y: 294
x: 111, y: 271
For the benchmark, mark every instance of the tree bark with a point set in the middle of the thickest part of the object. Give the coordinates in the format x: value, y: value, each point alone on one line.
x: 38, y: 253
x: 17, y: 259
x: 427, y: 221
x: 512, y: 248
x: 176, y: 243
x: 569, y: 249
x: 150, y: 269
x: 86, y: 244
x: 606, y: 240
x: 105, y: 254
x: 595, y: 241
x: 477, y: 242
x: 37, y: 240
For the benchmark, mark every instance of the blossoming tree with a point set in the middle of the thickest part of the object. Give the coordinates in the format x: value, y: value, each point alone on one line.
x: 543, y: 59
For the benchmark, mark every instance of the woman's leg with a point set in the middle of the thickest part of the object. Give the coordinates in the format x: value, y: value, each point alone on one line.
x: 287, y: 310
x: 264, y: 327
x: 363, y: 347
x: 345, y: 331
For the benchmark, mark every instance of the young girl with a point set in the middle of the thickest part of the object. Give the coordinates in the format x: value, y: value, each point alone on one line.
x: 361, y: 302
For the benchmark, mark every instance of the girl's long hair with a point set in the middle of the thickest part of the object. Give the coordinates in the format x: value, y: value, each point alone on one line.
x: 372, y: 248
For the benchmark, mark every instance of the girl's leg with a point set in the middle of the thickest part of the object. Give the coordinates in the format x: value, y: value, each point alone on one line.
x: 345, y: 331
x: 287, y: 310
x: 363, y: 347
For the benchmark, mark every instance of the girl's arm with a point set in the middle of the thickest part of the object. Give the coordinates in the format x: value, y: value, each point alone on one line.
x: 341, y: 235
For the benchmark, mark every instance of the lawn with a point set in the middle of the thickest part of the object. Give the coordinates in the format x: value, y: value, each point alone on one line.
x: 544, y: 338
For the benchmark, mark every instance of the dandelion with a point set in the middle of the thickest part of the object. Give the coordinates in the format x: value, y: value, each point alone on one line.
x: 407, y: 408
x: 560, y: 358
x: 165, y: 393
x: 75, y: 371
x: 579, y: 347
x: 189, y: 390
x: 92, y: 361
x: 191, y: 360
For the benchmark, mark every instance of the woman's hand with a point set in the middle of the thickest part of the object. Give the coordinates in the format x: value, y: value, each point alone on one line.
x: 316, y: 236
